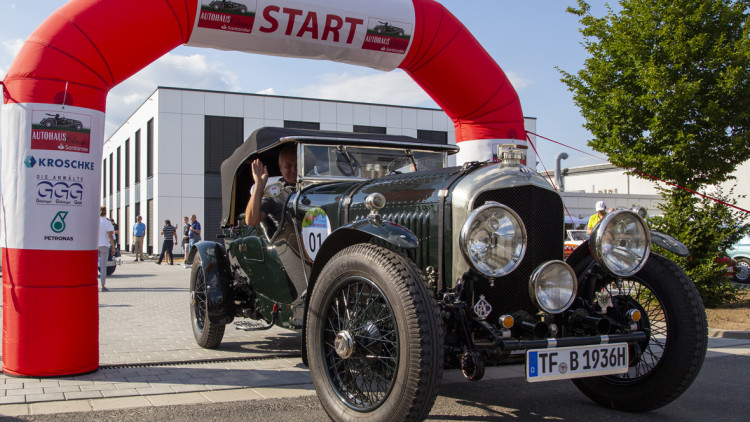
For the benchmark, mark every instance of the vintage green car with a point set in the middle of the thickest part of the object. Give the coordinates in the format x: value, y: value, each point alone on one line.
x: 396, y: 266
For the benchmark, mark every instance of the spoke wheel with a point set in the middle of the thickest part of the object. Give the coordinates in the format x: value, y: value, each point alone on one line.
x: 374, y: 339
x: 664, y: 365
x: 206, y: 334
x: 360, y: 344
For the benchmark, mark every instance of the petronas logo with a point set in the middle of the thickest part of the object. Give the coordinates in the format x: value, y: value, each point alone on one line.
x: 58, y: 223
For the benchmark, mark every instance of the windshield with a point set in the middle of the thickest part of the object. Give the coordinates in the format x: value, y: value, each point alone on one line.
x: 328, y: 161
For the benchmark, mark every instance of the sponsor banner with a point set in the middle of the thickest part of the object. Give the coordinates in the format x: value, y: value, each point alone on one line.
x: 365, y: 33
x: 55, y: 131
x: 483, y: 149
x: 232, y: 16
x: 54, y: 191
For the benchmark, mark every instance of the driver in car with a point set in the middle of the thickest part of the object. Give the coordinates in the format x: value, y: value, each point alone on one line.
x: 269, y: 203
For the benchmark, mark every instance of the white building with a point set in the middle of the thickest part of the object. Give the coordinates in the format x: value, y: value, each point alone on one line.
x: 163, y: 162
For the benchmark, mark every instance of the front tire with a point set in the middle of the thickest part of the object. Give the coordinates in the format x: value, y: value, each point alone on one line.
x: 671, y: 357
x: 206, y: 334
x: 374, y: 337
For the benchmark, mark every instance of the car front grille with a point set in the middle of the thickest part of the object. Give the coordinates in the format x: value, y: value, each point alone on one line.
x: 542, y: 213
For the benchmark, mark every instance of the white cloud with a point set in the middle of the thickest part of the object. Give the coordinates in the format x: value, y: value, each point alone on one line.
x: 518, y: 81
x: 267, y: 91
x: 13, y: 46
x: 175, y: 70
x: 394, y: 87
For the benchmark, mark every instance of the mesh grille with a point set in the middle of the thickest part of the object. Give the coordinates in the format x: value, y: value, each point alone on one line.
x: 542, y: 213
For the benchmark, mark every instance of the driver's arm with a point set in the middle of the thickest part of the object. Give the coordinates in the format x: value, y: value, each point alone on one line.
x: 253, y: 213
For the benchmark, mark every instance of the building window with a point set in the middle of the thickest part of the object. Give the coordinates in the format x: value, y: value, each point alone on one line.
x: 222, y: 136
x: 104, y: 180
x: 369, y: 129
x: 150, y: 146
x: 150, y: 226
x: 137, y: 156
x: 119, y: 161
x: 110, y: 173
x: 292, y: 124
x: 432, y: 136
x: 127, y: 229
x: 127, y: 163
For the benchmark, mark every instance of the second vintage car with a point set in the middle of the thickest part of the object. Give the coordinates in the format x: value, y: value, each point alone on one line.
x: 394, y: 266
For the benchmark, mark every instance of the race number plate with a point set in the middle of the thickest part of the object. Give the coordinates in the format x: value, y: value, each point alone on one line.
x: 576, y: 362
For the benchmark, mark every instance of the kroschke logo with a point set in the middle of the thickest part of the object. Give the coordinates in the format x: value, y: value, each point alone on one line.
x: 55, y: 131
x: 230, y: 16
x: 387, y: 36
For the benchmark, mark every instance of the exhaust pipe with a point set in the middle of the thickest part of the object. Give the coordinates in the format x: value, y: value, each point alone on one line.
x: 526, y: 324
x: 581, y: 321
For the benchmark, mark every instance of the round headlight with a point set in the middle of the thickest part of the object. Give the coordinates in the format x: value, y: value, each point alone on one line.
x: 493, y: 239
x: 621, y: 243
x: 553, y: 286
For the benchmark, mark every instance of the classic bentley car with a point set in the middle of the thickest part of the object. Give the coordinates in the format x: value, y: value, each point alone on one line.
x: 57, y: 120
x: 387, y: 29
x: 395, y: 266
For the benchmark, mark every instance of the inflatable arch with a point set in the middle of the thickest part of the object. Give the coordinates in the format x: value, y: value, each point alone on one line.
x: 53, y: 127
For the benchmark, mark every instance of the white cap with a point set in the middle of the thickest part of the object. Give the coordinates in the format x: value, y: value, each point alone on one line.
x: 601, y: 206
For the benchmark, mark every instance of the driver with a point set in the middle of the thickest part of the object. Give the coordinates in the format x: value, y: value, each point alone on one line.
x: 271, y: 204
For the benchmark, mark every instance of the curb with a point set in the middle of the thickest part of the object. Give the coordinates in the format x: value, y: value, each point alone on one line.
x: 715, y: 333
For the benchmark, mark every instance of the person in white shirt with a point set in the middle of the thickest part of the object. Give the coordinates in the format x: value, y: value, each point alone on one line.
x: 106, y: 245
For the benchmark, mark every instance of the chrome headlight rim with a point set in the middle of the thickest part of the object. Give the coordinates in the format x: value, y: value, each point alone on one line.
x: 535, y: 279
x: 465, y: 232
x: 596, y: 240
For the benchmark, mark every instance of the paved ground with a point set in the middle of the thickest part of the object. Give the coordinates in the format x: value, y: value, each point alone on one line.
x: 148, y: 356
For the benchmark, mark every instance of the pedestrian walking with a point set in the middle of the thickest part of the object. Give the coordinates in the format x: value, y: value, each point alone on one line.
x: 170, y: 238
x: 139, y: 231
x: 106, y: 245
x: 185, y: 238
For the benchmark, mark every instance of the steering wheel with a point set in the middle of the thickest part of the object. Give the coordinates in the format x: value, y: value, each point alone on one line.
x: 347, y: 167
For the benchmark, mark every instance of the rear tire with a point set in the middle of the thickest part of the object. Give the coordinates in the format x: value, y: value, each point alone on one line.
x: 374, y: 337
x: 674, y: 318
x: 206, y: 334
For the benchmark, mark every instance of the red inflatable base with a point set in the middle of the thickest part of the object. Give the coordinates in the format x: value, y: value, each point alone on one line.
x: 50, y: 312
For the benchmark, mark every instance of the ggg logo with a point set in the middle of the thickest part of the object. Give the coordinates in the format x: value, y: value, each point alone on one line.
x: 59, y: 193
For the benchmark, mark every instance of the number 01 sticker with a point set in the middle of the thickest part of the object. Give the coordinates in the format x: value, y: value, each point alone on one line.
x: 315, y: 230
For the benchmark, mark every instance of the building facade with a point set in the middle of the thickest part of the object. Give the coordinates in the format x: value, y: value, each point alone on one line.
x: 164, y: 161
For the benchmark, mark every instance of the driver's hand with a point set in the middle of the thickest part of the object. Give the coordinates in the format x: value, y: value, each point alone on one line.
x: 260, y: 172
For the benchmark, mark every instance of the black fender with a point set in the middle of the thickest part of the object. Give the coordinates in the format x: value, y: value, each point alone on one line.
x: 360, y: 231
x: 216, y: 272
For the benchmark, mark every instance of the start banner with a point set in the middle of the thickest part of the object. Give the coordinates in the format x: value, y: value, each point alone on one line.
x: 50, y: 176
x: 375, y: 34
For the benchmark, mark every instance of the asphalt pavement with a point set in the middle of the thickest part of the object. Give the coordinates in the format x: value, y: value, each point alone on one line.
x: 149, y: 359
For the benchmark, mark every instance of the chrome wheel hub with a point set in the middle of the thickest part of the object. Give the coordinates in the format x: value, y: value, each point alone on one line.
x: 344, y: 344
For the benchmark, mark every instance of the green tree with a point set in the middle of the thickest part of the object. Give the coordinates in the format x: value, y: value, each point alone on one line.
x: 666, y: 91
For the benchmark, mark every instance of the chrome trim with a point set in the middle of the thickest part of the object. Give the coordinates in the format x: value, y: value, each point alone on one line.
x: 466, y: 190
x: 605, y: 339
x: 551, y: 342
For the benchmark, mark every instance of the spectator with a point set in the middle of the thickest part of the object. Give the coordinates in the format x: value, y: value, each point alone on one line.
x: 185, y: 238
x: 106, y: 245
x: 139, y: 230
x: 194, y: 236
x: 601, y: 211
x: 170, y: 233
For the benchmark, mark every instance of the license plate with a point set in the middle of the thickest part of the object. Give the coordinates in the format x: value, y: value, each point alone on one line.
x: 576, y: 362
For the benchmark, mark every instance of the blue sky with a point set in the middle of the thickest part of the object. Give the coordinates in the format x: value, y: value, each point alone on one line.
x: 528, y: 39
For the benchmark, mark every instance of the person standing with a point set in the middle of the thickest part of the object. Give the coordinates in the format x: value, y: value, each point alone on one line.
x: 601, y: 211
x: 194, y: 236
x: 170, y: 238
x: 106, y: 245
x: 139, y: 230
x: 185, y: 238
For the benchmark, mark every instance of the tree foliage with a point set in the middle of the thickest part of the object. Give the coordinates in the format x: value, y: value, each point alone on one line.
x: 706, y: 227
x: 666, y: 91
